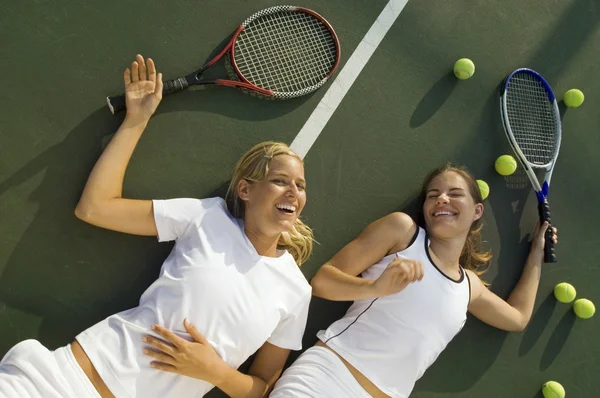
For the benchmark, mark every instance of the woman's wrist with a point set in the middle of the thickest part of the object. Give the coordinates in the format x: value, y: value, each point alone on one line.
x: 136, y: 120
x: 536, y: 257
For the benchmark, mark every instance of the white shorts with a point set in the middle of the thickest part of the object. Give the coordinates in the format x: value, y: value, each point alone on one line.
x: 30, y: 370
x: 318, y: 372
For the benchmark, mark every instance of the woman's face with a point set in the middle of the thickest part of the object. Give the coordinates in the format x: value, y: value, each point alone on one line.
x: 449, y: 209
x: 273, y: 204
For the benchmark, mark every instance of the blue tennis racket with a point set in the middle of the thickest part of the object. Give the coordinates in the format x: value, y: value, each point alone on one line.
x: 531, y: 121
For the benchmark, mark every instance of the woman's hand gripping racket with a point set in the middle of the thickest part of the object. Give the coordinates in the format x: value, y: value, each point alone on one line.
x: 532, y: 125
x: 280, y: 52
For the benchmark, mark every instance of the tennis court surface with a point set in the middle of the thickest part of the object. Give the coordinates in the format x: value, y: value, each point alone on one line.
x: 404, y: 115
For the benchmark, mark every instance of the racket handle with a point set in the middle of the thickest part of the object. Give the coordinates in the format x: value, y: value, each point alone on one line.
x: 175, y: 86
x: 544, y: 210
x: 116, y: 103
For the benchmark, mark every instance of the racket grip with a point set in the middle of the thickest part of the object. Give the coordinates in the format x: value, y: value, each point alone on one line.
x: 117, y: 104
x: 175, y: 86
x: 544, y: 211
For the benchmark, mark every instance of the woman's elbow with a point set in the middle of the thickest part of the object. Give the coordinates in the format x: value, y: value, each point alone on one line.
x: 520, y: 325
x: 317, y: 283
x: 85, y: 211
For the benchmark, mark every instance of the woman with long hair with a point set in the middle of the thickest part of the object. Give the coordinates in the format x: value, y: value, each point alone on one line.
x: 416, y: 287
x: 230, y: 287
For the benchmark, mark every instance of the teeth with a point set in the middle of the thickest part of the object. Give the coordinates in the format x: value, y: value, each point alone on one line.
x: 443, y: 213
x: 286, y: 207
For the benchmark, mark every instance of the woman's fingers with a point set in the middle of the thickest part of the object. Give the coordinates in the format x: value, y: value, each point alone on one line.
x: 419, y: 271
x: 164, y: 358
x: 141, y: 67
x: 127, y: 76
x: 159, y: 345
x: 151, y: 68
x: 164, y: 367
x: 169, y: 335
x: 135, y: 74
x: 158, y: 89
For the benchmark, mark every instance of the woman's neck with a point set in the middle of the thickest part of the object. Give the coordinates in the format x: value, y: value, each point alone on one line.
x: 263, y: 244
x: 447, y: 251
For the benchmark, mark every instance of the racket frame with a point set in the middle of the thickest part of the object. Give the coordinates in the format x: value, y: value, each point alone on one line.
x: 541, y: 190
x: 117, y: 103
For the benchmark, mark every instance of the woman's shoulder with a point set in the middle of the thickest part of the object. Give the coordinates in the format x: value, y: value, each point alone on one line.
x: 403, y: 227
x: 400, y: 220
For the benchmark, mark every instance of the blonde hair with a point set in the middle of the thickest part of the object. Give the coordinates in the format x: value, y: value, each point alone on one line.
x: 253, y: 166
x: 472, y: 257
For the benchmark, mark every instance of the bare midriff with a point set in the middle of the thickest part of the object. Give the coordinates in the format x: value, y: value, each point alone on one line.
x: 92, y: 374
x: 365, y: 383
x: 90, y: 371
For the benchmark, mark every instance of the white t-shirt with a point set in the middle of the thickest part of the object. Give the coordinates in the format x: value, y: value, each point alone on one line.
x: 236, y: 298
x: 392, y: 340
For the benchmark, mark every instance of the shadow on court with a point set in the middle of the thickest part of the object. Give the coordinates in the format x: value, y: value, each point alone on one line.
x: 88, y: 273
x: 556, y: 53
x: 433, y: 100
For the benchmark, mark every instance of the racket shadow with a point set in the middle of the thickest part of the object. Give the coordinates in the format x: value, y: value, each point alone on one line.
x: 230, y: 103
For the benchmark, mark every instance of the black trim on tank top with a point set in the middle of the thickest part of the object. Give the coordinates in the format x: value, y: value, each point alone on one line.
x: 462, y: 272
x: 412, y: 241
x: 353, y: 322
x: 414, y: 238
x: 469, y: 281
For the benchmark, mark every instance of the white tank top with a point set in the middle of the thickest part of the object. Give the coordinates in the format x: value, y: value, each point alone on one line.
x: 392, y: 340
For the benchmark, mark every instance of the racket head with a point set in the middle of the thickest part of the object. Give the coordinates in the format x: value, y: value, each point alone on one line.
x: 531, y: 118
x: 287, y: 51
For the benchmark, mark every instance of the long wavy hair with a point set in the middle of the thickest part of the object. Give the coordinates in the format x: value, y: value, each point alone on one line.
x: 253, y: 166
x: 473, y: 257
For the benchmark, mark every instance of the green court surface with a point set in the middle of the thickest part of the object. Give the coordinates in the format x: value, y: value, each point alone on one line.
x: 405, y: 115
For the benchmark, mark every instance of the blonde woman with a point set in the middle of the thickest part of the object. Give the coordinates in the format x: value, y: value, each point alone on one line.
x: 230, y: 287
x: 416, y: 288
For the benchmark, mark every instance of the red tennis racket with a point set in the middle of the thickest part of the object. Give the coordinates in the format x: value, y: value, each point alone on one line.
x: 280, y: 52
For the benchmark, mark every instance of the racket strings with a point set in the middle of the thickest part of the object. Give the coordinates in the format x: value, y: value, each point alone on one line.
x: 295, y: 61
x: 532, y: 119
x: 286, y: 52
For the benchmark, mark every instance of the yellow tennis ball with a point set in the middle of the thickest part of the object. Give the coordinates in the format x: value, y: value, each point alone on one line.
x: 505, y: 165
x: 553, y: 389
x: 565, y: 292
x: 484, y: 188
x: 584, y: 308
x: 574, y: 98
x: 464, y: 68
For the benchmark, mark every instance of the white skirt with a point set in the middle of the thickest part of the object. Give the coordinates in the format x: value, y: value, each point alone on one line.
x: 318, y: 372
x: 31, y: 370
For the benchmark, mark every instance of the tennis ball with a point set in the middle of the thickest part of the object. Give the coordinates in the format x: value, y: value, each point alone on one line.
x: 565, y: 292
x: 464, y: 68
x: 505, y: 165
x: 553, y: 389
x: 483, y: 188
x: 574, y: 98
x: 584, y: 308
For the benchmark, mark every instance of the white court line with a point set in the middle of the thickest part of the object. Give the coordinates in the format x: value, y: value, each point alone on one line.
x: 344, y: 80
